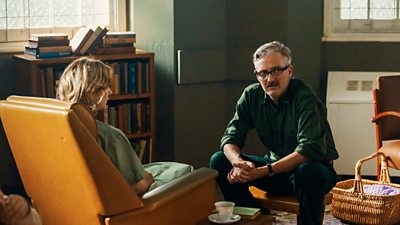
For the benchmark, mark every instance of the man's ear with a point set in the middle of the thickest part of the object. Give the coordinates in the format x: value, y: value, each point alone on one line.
x: 291, y: 70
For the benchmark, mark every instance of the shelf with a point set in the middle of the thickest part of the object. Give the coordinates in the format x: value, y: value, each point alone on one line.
x: 133, y: 101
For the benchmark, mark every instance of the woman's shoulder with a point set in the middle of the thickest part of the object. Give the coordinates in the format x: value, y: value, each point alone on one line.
x: 105, y: 130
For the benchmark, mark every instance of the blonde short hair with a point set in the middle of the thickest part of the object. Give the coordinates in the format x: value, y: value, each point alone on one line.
x: 82, y: 79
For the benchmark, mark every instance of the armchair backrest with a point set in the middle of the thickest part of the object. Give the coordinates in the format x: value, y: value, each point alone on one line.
x: 63, y: 169
x: 392, y: 153
x: 386, y: 99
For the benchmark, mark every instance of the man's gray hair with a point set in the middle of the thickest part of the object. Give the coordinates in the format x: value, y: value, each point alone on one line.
x: 270, y: 48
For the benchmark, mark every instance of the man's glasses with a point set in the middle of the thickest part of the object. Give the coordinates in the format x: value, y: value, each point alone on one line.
x: 276, y: 72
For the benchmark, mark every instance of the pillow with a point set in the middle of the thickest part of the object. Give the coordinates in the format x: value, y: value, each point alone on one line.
x: 164, y: 172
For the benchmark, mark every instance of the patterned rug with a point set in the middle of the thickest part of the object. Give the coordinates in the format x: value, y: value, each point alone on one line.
x: 284, y: 218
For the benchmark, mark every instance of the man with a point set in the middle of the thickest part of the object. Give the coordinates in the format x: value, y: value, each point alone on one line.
x: 291, y: 122
x: 15, y: 210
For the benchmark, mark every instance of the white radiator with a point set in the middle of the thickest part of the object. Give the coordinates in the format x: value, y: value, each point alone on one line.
x: 349, y: 101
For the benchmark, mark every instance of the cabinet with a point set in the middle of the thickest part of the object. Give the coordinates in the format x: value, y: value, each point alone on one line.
x: 131, y: 107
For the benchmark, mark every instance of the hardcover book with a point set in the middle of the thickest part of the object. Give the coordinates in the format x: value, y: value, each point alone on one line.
x: 98, y: 41
x: 48, y: 54
x: 47, y: 43
x: 126, y: 34
x: 48, y: 36
x: 113, y: 50
x: 80, y: 38
x: 90, y: 41
x: 247, y: 212
x: 48, y: 49
x: 110, y: 41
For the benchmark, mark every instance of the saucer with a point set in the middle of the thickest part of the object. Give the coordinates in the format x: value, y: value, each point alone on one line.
x: 215, y: 218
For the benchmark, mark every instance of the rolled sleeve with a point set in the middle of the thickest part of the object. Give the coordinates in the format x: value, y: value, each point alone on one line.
x: 240, y: 124
x: 311, y: 131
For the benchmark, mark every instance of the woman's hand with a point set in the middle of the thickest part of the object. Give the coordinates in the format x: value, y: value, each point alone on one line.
x: 142, y: 186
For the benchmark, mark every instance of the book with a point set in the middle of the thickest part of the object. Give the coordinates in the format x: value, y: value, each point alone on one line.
x: 113, y: 50
x: 115, y: 79
x: 48, y: 49
x: 118, y: 45
x: 47, y: 43
x: 48, y: 54
x: 142, y: 149
x: 126, y: 34
x: 247, y: 212
x: 122, y: 118
x: 90, y: 40
x: 112, y: 116
x: 132, y: 77
x: 42, y: 83
x: 110, y: 41
x: 80, y: 38
x: 49, y: 36
x: 50, y: 91
x: 98, y: 41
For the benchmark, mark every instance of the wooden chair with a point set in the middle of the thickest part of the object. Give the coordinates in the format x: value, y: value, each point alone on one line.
x: 387, y: 110
x: 286, y: 203
x: 72, y: 182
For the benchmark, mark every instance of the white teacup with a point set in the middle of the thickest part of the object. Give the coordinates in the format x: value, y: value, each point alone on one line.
x: 225, y: 209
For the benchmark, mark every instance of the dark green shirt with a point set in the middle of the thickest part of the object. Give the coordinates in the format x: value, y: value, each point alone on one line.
x: 298, y: 123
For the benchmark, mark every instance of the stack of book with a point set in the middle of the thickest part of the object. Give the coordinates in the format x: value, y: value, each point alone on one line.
x: 49, y: 45
x: 87, y: 40
x: 117, y: 43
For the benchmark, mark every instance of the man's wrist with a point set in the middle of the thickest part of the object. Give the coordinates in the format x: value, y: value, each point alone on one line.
x: 270, y: 170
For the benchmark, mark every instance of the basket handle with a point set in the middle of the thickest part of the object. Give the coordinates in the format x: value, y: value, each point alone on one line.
x: 384, y: 176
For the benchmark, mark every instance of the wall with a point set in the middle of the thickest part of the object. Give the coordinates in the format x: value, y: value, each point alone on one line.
x: 9, y: 177
x: 153, y: 22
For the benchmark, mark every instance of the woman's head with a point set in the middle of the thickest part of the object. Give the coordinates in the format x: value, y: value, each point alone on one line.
x: 86, y: 81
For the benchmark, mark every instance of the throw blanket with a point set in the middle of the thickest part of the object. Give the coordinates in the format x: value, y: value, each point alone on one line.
x: 380, y: 189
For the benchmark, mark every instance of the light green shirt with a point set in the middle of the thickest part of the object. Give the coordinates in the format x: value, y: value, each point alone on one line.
x: 118, y: 148
x: 298, y: 123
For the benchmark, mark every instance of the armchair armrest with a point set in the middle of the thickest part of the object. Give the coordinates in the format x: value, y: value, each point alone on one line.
x: 177, y: 187
x: 172, y: 190
x: 384, y: 114
x: 182, y: 201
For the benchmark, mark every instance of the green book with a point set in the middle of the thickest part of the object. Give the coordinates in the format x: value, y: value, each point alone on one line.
x: 247, y: 212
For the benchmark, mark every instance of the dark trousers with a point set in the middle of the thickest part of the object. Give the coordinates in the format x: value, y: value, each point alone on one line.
x: 310, y: 182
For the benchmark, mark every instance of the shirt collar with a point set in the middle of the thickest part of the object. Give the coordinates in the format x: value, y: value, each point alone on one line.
x: 283, y: 99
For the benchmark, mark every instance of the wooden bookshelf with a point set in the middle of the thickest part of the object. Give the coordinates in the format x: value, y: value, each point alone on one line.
x: 132, y: 106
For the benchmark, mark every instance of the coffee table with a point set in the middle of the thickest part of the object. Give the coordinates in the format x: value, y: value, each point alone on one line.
x: 260, y: 220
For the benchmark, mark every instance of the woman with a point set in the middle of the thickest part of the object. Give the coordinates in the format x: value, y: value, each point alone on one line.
x: 87, y: 81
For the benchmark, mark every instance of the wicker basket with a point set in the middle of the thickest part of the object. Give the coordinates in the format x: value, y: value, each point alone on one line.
x: 351, y: 204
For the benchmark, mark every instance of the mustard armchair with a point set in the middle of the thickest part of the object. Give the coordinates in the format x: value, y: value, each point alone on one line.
x: 72, y: 182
